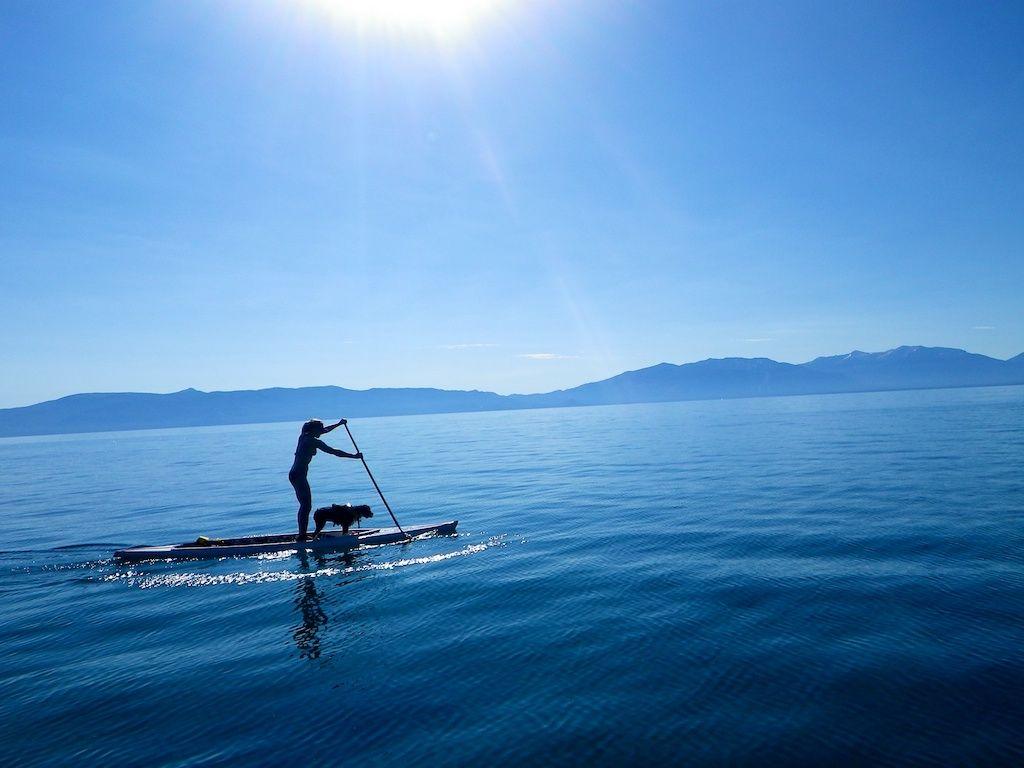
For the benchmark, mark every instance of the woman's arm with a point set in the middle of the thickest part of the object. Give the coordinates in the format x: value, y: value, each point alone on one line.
x: 335, y: 426
x: 335, y: 452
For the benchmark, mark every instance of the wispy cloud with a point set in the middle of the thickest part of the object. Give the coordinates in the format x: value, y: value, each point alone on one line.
x: 467, y: 346
x: 548, y: 356
x: 754, y: 341
x: 983, y: 328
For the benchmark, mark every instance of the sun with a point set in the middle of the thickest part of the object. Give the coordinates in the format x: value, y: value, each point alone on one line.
x: 441, y: 18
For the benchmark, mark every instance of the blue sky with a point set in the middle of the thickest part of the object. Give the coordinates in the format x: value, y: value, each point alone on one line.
x: 247, y: 194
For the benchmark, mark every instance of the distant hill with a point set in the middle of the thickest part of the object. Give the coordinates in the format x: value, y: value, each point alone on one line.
x: 705, y: 380
x: 920, y: 367
x: 191, y: 408
x: 901, y: 368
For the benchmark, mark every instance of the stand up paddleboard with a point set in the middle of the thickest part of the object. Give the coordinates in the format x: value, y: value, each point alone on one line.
x: 284, y: 542
x: 206, y: 548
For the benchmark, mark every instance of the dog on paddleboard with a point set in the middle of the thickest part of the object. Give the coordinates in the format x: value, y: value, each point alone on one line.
x: 344, y: 515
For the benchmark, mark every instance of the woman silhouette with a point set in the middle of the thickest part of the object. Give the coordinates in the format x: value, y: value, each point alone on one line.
x: 305, y: 450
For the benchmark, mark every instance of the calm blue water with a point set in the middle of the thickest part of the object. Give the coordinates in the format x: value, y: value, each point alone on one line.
x: 788, y: 581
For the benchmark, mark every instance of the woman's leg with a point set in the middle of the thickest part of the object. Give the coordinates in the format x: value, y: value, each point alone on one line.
x: 305, y: 497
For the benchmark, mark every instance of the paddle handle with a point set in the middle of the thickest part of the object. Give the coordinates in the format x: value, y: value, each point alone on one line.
x: 373, y: 480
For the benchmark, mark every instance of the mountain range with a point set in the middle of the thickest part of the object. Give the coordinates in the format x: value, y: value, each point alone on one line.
x: 900, y: 368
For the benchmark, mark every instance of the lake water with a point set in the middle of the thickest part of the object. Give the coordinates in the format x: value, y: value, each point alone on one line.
x: 784, y: 581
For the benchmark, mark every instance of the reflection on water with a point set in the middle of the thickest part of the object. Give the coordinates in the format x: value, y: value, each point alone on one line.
x: 309, y: 600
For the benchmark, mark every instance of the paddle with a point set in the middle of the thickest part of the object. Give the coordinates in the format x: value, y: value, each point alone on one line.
x: 372, y: 480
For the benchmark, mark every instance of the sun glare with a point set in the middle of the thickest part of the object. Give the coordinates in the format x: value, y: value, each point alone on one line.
x: 442, y: 18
